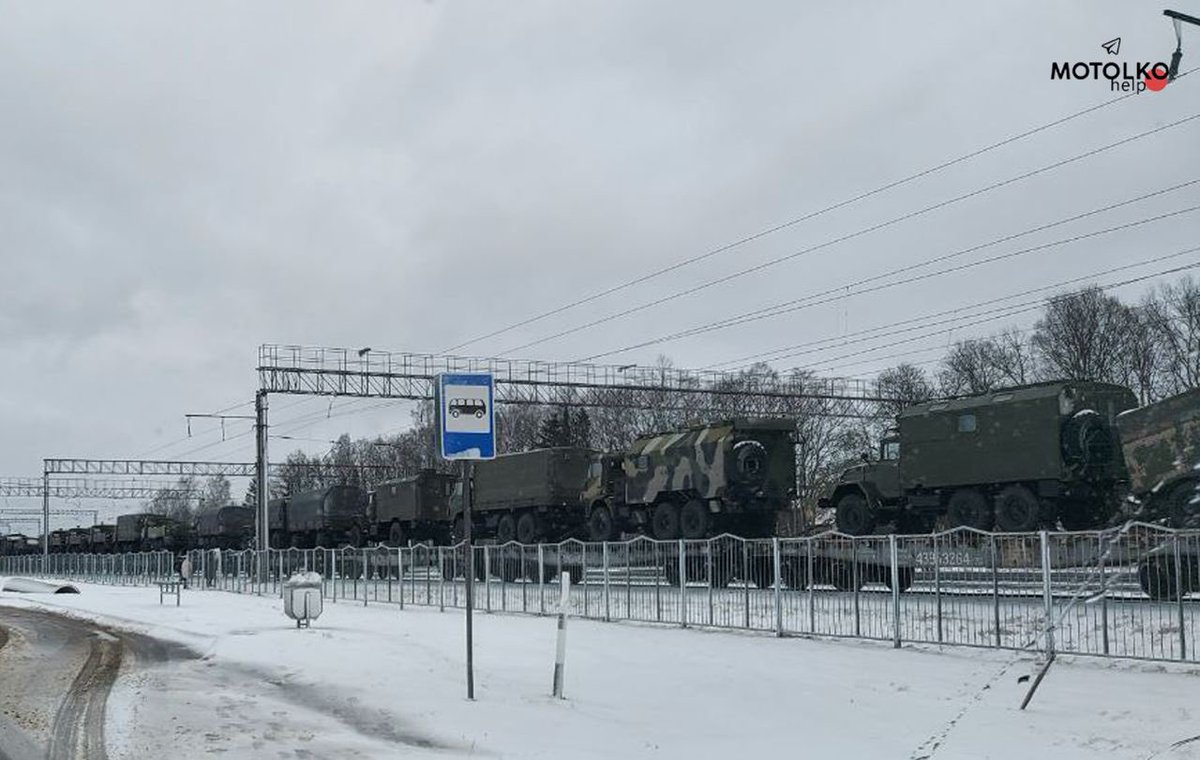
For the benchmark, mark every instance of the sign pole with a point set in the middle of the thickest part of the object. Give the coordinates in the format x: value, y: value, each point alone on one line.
x: 466, y: 425
x: 468, y: 497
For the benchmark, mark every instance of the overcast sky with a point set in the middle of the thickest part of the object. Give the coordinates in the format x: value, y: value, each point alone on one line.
x: 182, y: 182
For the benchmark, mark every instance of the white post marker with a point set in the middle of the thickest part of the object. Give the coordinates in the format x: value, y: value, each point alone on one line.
x: 560, y: 652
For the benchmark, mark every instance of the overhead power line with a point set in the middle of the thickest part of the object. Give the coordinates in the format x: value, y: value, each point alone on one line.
x: 947, y: 316
x: 793, y: 222
x: 852, y: 235
x: 808, y: 302
x: 828, y: 364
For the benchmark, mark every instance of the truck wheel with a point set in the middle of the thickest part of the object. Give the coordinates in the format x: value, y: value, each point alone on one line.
x: 527, y: 529
x: 1156, y: 576
x: 854, y: 516
x: 671, y: 572
x: 693, y: 519
x: 1018, y: 510
x: 969, y: 509
x: 396, y: 534
x: 665, y: 521
x: 841, y: 576
x: 600, y: 524
x: 354, y: 537
x: 506, y: 529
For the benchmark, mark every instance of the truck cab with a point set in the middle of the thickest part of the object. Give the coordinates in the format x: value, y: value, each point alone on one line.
x: 867, y: 488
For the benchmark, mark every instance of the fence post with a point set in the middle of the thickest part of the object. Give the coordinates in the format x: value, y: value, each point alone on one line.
x: 777, y: 592
x: 937, y: 585
x: 683, y: 611
x: 1181, y: 592
x: 1103, y: 592
x: 487, y: 575
x: 366, y: 576
x: 895, y: 592
x: 810, y: 568
x: 1046, y: 592
x: 541, y: 562
x: 607, y: 601
x: 746, y: 584
x: 995, y: 589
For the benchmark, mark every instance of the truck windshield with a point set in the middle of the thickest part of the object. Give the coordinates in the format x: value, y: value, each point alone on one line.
x: 889, y: 451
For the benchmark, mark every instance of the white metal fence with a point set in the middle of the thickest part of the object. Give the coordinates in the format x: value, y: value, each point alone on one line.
x: 1132, y: 592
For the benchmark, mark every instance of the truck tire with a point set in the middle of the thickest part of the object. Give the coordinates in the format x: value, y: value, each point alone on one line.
x: 854, y: 515
x: 693, y: 519
x: 795, y: 572
x: 354, y: 537
x: 1018, y: 510
x: 600, y: 523
x: 527, y: 528
x: 506, y: 529
x: 968, y: 508
x: 396, y: 534
x: 665, y: 521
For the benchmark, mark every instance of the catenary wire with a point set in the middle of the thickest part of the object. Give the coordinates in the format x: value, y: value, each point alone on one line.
x: 850, y: 236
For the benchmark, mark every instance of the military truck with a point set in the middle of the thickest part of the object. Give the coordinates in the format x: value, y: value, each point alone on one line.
x: 327, y: 517
x: 58, y: 541
x: 695, y: 482
x: 160, y: 532
x: 229, y: 527
x: 1018, y: 459
x: 79, y: 540
x: 415, y: 508
x: 104, y: 538
x: 1161, y: 445
x: 527, y: 497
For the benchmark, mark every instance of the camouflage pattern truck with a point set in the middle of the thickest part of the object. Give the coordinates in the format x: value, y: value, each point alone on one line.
x: 327, y: 517
x: 1017, y: 459
x: 229, y: 527
x: 527, y: 497
x: 416, y: 508
x: 1161, y: 444
x: 728, y: 476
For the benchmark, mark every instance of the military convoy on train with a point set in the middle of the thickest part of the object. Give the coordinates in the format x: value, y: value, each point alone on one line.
x: 415, y: 508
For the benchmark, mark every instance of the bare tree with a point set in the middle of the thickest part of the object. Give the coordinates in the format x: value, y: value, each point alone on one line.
x: 970, y: 368
x: 904, y: 385
x: 1081, y: 336
x: 1174, y: 317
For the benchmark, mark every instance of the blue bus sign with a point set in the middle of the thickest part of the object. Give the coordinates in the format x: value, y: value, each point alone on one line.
x: 466, y: 415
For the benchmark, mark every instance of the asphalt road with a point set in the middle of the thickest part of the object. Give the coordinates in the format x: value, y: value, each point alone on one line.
x: 56, y: 673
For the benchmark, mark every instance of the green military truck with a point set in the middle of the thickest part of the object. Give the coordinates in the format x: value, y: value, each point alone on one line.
x: 1017, y: 459
x: 415, y: 508
x: 699, y: 481
x: 527, y: 497
x: 103, y: 538
x: 1161, y: 444
x: 325, y: 517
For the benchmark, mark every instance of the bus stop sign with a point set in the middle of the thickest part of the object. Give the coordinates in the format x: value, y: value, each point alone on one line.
x: 466, y: 415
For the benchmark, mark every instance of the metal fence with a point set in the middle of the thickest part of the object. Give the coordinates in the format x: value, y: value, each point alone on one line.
x: 1131, y: 592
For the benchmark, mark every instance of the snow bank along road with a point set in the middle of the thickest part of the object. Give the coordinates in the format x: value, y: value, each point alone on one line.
x: 384, y: 682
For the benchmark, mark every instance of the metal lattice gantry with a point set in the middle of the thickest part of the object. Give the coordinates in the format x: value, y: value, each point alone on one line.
x: 147, y: 467
x: 86, y: 489
x: 366, y: 373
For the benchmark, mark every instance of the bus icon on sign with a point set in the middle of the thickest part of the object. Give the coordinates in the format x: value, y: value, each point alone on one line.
x: 467, y: 406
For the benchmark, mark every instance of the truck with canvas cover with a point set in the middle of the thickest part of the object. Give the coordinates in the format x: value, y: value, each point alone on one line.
x: 415, y: 508
x: 228, y: 527
x: 79, y: 540
x: 327, y: 517
x: 527, y: 497
x: 1161, y: 445
x: 129, y: 531
x: 1017, y: 459
x: 699, y: 481
x: 160, y: 532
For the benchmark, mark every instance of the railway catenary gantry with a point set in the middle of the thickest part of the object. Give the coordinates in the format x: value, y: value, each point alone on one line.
x: 85, y: 489
x: 367, y: 373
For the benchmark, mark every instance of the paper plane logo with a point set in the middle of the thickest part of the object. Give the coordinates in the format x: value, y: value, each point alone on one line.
x: 1112, y: 46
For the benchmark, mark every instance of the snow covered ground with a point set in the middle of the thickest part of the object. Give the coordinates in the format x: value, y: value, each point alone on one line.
x: 384, y: 682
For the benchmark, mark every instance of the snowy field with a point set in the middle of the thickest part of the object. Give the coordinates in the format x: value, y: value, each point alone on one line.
x: 381, y: 681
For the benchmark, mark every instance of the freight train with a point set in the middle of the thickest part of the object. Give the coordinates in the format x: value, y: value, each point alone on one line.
x: 1058, y: 454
